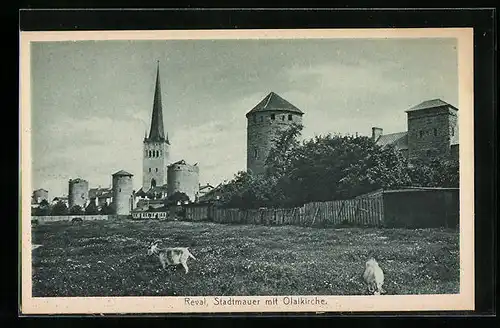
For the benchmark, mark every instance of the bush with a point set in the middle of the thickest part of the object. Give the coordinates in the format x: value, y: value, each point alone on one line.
x: 59, y: 208
x: 76, y: 210
x: 92, y: 209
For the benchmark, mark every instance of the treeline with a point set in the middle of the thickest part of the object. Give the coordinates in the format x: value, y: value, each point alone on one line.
x: 60, y: 208
x: 330, y: 167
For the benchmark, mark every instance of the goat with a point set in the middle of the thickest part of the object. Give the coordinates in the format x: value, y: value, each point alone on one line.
x: 374, y: 277
x: 171, y: 255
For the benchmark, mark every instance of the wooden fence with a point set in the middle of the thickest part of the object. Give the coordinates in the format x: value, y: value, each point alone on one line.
x: 59, y: 218
x: 361, y: 211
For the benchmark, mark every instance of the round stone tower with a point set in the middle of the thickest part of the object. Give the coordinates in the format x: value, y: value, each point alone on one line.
x: 78, y: 193
x: 123, y: 193
x: 264, y: 121
x: 183, y: 177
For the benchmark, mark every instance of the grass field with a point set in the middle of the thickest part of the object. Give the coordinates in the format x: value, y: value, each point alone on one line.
x: 109, y: 258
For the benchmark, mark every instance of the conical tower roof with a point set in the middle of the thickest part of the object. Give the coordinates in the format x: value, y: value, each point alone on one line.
x: 122, y: 173
x: 274, y: 102
x: 156, y: 132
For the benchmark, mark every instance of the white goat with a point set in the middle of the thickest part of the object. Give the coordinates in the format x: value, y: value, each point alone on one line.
x: 374, y: 277
x: 171, y: 255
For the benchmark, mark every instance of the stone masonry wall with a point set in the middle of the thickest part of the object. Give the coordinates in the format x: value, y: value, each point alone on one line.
x: 122, y: 194
x: 429, y: 133
x: 183, y: 178
x: 78, y: 193
x: 261, y: 130
x: 155, y: 167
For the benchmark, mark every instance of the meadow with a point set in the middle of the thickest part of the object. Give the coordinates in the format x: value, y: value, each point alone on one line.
x: 109, y: 258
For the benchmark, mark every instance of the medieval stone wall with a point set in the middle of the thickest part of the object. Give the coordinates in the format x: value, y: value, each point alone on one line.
x: 261, y: 131
x: 183, y: 177
x: 122, y: 194
x: 430, y: 132
x: 78, y: 192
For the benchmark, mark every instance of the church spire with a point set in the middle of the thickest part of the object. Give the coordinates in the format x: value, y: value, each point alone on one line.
x: 157, y: 133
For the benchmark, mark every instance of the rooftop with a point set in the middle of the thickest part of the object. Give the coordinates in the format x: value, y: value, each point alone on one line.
x: 399, y: 140
x: 274, y: 102
x: 433, y: 103
x: 181, y: 162
x: 100, y: 193
x: 122, y: 173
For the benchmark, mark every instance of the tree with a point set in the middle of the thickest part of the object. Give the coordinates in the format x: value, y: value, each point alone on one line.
x: 106, y: 209
x: 329, y: 167
x: 91, y: 209
x: 285, y: 143
x: 76, y: 210
x: 435, y: 172
x: 175, y: 198
x: 59, y: 208
x: 43, y: 209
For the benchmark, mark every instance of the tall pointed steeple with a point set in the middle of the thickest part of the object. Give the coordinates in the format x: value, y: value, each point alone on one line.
x: 156, y: 133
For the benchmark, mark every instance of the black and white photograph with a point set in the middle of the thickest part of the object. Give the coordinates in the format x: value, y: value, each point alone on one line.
x: 243, y: 171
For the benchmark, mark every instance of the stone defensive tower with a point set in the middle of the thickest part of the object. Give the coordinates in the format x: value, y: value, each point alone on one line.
x: 156, y: 145
x: 78, y: 193
x: 123, y: 193
x: 432, y: 129
x: 183, y: 177
x: 271, y: 115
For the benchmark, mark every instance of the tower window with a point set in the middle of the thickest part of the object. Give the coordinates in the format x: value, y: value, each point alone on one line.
x: 262, y: 118
x: 255, y: 118
x: 273, y: 117
x: 156, y: 170
x: 149, y: 169
x: 282, y: 117
x: 119, y: 189
x: 435, y: 132
x: 149, y: 153
x: 289, y: 117
x: 255, y: 153
x: 452, y: 131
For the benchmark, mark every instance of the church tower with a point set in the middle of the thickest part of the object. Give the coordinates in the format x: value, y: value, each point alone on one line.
x: 156, y: 145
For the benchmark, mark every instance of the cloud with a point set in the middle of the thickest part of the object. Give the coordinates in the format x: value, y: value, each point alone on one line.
x: 92, y: 149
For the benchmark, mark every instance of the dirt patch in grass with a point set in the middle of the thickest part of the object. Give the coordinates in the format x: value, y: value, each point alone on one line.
x: 109, y: 258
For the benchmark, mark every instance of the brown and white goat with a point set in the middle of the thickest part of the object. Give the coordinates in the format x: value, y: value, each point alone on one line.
x: 171, y: 255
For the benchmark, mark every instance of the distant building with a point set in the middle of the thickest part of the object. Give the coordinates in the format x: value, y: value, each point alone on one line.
x: 271, y: 115
x: 101, y: 196
x: 212, y: 196
x: 39, y: 195
x: 147, y: 204
x: 203, y: 190
x: 62, y: 199
x: 158, y: 192
x: 432, y: 132
x: 78, y: 193
x: 185, y: 178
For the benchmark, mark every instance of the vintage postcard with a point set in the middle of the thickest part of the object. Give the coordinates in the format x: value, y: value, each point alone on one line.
x: 247, y: 171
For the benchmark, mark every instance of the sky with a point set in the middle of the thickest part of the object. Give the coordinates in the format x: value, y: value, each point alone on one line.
x: 91, y: 101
